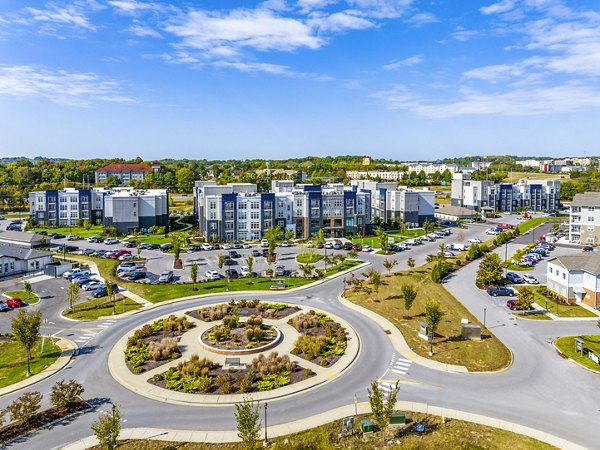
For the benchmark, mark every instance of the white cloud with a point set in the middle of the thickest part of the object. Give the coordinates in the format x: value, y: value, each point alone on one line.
x: 76, y: 89
x: 133, y: 7
x: 309, y: 5
x: 69, y: 15
x: 498, y: 8
x: 570, y: 97
x: 340, y: 21
x: 143, y: 31
x: 422, y: 19
x: 407, y: 62
x: 381, y: 9
x: 244, y: 28
x: 274, y: 69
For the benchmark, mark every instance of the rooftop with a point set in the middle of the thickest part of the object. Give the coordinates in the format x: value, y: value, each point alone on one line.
x: 125, y: 167
x: 587, y: 262
x: 21, y: 253
x: 586, y: 199
x: 20, y: 236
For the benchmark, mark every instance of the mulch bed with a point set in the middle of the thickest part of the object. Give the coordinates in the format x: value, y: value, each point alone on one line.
x: 45, y: 417
x: 297, y: 375
x: 323, y: 361
x: 246, y: 312
x: 149, y: 364
x: 242, y: 341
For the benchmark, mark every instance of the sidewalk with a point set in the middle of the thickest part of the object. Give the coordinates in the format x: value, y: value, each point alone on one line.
x: 398, y: 341
x: 68, y: 349
x: 216, y: 437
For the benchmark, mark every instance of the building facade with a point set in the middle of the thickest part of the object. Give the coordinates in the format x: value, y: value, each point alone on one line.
x: 66, y: 207
x: 126, y: 173
x: 130, y: 210
x: 469, y: 193
x: 575, y: 278
x: 20, y: 260
x: 584, y: 219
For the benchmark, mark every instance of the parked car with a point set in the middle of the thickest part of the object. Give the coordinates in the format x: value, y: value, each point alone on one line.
x: 136, y: 275
x: 279, y: 271
x: 447, y: 253
x: 125, y: 264
x: 500, y: 291
x: 264, y: 243
x: 166, y: 277
x: 212, y: 275
x: 80, y: 281
x: 347, y: 245
x: 588, y: 248
x: 310, y: 244
x: 206, y: 246
x: 366, y: 248
x: 514, y: 278
x: 459, y: 247
x: 328, y: 245
x: 111, y: 241
x: 57, y: 236
x: 15, y: 302
x: 99, y: 253
x: 126, y: 271
x: 125, y: 257
x: 245, y: 245
x: 285, y: 244
x: 166, y: 247
x: 256, y: 253
x: 74, y: 272
x: 512, y: 304
x: 357, y: 248
x: 236, y: 245
x: 245, y: 271
x: 103, y: 292
x: 474, y: 241
x: 401, y: 247
x: 530, y: 279
x: 227, y: 247
x: 94, y: 239
x: 231, y: 273
x: 234, y: 254
x: 131, y: 244
x: 492, y: 231
x: 92, y: 286
x: 4, y: 306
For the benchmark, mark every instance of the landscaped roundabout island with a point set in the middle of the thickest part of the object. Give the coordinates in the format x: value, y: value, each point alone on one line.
x: 220, y: 353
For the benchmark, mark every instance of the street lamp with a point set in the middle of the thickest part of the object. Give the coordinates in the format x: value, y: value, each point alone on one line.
x: 266, y: 435
x: 484, y: 311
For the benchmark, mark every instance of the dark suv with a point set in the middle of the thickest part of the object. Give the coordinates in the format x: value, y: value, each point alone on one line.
x: 500, y: 291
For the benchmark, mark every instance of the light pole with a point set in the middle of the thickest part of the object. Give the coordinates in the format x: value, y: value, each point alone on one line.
x: 505, y: 258
x: 266, y: 435
x: 484, y: 312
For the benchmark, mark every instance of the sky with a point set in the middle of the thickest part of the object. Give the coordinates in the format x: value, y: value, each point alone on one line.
x: 224, y: 79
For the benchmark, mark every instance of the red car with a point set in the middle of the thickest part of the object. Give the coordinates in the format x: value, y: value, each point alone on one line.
x: 505, y: 226
x: 15, y: 302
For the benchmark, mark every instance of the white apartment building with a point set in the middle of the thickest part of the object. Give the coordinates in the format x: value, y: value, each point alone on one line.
x: 576, y: 278
x: 584, y: 219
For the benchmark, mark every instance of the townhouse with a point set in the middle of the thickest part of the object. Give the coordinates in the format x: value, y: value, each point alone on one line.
x: 575, y: 278
x: 584, y: 219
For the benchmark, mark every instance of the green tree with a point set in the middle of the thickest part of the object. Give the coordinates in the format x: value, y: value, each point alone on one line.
x: 382, y: 409
x: 220, y: 260
x: 375, y: 279
x: 272, y: 235
x: 247, y: 417
x: 250, y: 264
x: 107, y: 429
x: 25, y: 406
x: 410, y: 262
x: 73, y: 294
x: 177, y: 239
x: 389, y: 264
x: 65, y: 393
x: 409, y: 293
x: 320, y: 237
x: 433, y: 317
x: 194, y: 274
x: 306, y: 269
x: 25, y: 328
x: 490, y: 270
x: 185, y: 180
x: 112, y: 181
x: 27, y: 289
x: 380, y: 234
x: 288, y: 234
x: 525, y: 299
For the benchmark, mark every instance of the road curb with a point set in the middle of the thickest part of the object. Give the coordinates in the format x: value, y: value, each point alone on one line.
x: 216, y: 437
x: 597, y: 372
x: 68, y: 348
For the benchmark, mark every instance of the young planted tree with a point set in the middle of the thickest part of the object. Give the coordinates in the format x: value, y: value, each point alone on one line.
x: 433, y: 317
x: 250, y: 264
x: 389, y: 264
x: 138, y: 249
x: 272, y: 235
x: 490, y: 270
x: 382, y: 408
x: 410, y: 262
x: 65, y: 393
x: 409, y: 293
x: 441, y: 250
x: 288, y: 234
x: 525, y: 299
x: 25, y: 406
x: 380, y: 234
x: 107, y: 429
x: 320, y: 237
x: 306, y: 269
x: 27, y: 289
x: 375, y: 279
x: 73, y: 294
x: 352, y: 254
x: 194, y: 274
x: 26, y: 329
x: 220, y: 260
x: 247, y: 417
x: 177, y: 239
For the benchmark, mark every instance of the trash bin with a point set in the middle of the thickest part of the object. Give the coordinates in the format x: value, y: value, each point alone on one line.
x: 398, y: 419
x: 366, y: 426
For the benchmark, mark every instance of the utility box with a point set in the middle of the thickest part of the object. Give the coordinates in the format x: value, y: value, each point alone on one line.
x: 471, y: 332
x: 366, y: 426
x: 398, y: 419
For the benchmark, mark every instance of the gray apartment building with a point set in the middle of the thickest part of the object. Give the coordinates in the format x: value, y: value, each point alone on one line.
x: 129, y: 210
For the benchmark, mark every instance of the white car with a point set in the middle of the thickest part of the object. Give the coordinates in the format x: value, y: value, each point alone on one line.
x: 264, y: 243
x: 206, y: 246
x: 492, y: 231
x: 212, y: 275
x: 245, y: 271
x: 530, y: 279
x: 474, y: 241
x: 447, y: 253
x: 310, y: 244
x: 92, y: 286
x: 246, y: 245
x: 110, y: 241
x: 285, y: 244
x: 227, y: 247
x: 366, y: 248
x: 125, y: 257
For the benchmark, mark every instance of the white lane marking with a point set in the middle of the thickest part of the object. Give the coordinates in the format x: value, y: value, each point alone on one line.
x: 103, y: 326
x: 57, y: 333
x: 404, y: 360
x: 81, y: 340
x: 107, y: 323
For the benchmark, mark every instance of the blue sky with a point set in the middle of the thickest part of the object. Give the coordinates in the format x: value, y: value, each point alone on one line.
x: 402, y: 79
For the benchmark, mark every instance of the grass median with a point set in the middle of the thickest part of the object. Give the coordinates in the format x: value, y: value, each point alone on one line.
x: 94, y: 230
x: 558, y: 309
x: 489, y: 354
x: 566, y: 345
x: 438, y: 435
x: 30, y: 299
x: 309, y: 258
x: 13, y: 360
x: 101, y: 307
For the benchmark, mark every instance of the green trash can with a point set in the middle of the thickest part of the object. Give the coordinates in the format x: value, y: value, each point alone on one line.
x: 398, y: 419
x: 366, y: 426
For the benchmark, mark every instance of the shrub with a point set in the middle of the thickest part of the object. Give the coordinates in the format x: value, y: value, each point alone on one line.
x: 308, y: 372
x: 254, y: 334
x: 205, y: 384
x: 173, y: 323
x: 265, y: 385
x: 254, y: 321
x: 245, y: 383
x: 254, y: 303
x: 25, y: 406
x: 158, y: 377
x: 65, y: 393
x: 163, y: 349
x: 137, y: 355
x: 216, y: 312
x: 304, y: 321
x: 271, y: 364
x: 225, y: 383
x: 231, y: 321
x: 311, y: 346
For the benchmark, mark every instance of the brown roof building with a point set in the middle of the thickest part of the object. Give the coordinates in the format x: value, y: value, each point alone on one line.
x: 125, y: 172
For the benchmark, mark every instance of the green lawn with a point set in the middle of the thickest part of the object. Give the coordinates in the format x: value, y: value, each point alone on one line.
x: 160, y: 292
x: 531, y: 315
x: 30, y: 300
x: 514, y: 177
x: 398, y: 237
x: 150, y: 239
x: 532, y: 223
x: 592, y: 342
x: 309, y: 258
x: 13, y: 362
x: 451, y: 434
x: 560, y: 310
x: 101, y: 307
x: 486, y: 355
x: 95, y: 230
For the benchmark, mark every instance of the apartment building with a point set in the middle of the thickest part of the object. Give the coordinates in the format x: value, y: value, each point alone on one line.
x: 584, y: 220
x: 126, y: 173
x: 469, y: 193
x: 66, y: 207
x: 130, y: 210
x: 576, y: 278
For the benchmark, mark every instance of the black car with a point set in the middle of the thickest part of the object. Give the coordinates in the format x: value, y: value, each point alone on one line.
x: 166, y: 247
x: 500, y: 291
x: 102, y: 292
x: 131, y: 244
x: 588, y: 248
x: 265, y: 252
x: 57, y: 236
x: 234, y: 254
x: 231, y: 273
x: 83, y: 280
x: 196, y: 248
x: 136, y: 275
x: 255, y: 253
x: 347, y: 245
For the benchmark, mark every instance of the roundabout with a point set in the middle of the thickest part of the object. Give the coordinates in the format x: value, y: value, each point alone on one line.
x: 219, y: 362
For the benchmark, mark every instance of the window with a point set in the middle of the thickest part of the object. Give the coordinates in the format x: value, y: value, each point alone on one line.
x: 590, y: 208
x: 268, y: 204
x: 590, y: 240
x: 228, y: 205
x: 590, y: 228
x: 242, y: 205
x: 564, y: 275
x: 255, y: 215
x: 255, y: 225
x: 242, y: 225
x: 213, y: 226
x: 242, y: 215
x: 550, y: 269
x: 255, y: 205
x: 590, y: 219
x: 212, y: 215
x: 212, y: 205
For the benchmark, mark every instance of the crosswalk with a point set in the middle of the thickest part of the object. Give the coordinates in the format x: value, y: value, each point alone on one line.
x: 398, y: 366
x: 82, y: 336
x: 401, y: 366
